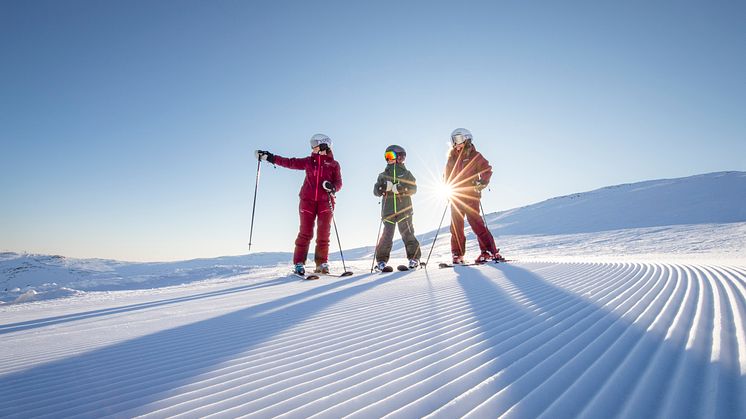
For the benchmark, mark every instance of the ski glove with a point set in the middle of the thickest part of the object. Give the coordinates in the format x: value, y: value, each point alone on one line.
x: 328, y: 186
x: 478, y: 185
x: 393, y: 187
x: 265, y: 156
x: 381, y: 187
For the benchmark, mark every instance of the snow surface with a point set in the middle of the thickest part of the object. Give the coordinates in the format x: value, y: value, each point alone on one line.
x: 704, y: 199
x: 646, y: 319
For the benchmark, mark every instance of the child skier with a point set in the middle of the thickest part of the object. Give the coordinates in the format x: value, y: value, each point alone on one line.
x: 396, y: 184
x: 323, y: 179
x: 468, y: 173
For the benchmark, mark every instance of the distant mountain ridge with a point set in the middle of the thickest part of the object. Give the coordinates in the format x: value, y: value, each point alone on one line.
x: 702, y: 199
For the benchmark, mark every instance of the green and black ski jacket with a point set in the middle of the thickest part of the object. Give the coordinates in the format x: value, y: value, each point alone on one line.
x: 396, y: 206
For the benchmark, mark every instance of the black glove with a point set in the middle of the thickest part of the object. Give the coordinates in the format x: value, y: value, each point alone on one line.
x: 328, y: 186
x: 265, y: 155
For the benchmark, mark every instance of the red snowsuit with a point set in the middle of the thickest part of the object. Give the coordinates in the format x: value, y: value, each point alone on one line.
x: 314, y: 202
x: 463, y: 169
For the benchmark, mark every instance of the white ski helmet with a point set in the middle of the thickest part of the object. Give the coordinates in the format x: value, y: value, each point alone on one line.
x: 319, y: 139
x: 460, y: 136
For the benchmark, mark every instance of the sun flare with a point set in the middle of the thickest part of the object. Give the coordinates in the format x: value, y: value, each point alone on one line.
x: 443, y: 191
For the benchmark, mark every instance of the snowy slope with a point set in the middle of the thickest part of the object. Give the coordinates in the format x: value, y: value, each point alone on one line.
x: 548, y: 339
x: 702, y: 217
x: 704, y: 199
x: 644, y: 321
x: 25, y: 277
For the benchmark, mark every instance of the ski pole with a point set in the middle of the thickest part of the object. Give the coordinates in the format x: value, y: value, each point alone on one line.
x: 484, y: 217
x: 336, y: 232
x: 436, y: 233
x: 253, y: 208
x: 481, y: 208
x: 378, y: 238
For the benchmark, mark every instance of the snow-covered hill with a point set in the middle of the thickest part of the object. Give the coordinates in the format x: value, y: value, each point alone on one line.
x: 28, y: 277
x: 700, y: 218
x: 713, y: 198
x: 641, y: 321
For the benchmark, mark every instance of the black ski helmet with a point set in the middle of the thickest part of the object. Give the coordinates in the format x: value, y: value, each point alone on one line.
x: 398, y: 151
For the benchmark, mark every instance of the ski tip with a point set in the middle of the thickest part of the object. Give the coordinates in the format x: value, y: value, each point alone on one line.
x: 311, y: 277
x: 346, y: 273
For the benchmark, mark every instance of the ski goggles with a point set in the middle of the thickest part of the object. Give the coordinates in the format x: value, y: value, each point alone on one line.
x: 389, y: 155
x: 458, y: 139
x: 320, y: 145
x: 323, y: 144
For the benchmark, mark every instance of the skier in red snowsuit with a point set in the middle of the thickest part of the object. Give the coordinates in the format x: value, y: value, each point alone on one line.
x: 468, y: 172
x: 323, y: 179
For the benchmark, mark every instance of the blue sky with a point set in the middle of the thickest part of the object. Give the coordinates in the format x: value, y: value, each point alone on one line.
x: 128, y: 128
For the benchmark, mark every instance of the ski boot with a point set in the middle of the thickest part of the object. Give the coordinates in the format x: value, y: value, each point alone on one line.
x: 497, y: 257
x: 322, y: 268
x: 485, y: 257
x: 299, y: 269
x: 458, y: 260
x: 413, y: 263
x: 383, y: 267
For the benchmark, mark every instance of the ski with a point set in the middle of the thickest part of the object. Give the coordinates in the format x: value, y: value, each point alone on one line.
x: 386, y: 269
x: 343, y: 274
x: 450, y: 265
x: 309, y: 277
x: 404, y: 268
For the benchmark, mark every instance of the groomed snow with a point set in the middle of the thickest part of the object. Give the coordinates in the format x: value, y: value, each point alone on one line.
x: 525, y: 339
x: 642, y: 321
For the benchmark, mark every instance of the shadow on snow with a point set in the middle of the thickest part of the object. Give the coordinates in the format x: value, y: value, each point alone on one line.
x: 141, y: 371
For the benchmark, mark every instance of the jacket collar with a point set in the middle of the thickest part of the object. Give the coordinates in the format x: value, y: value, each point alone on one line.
x: 329, y: 155
x: 398, y: 166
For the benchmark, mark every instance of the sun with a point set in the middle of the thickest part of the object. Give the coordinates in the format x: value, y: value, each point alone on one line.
x: 443, y: 190
x: 438, y: 191
x: 435, y: 189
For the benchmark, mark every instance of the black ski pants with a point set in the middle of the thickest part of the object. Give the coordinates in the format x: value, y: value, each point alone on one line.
x: 406, y: 229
